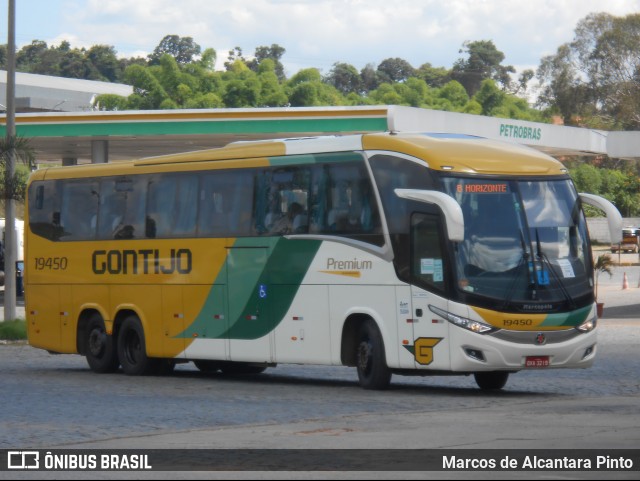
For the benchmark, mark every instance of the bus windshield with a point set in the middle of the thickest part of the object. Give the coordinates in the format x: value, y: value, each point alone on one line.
x: 525, y: 243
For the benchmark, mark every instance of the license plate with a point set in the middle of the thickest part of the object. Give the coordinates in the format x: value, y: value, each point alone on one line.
x: 536, y: 361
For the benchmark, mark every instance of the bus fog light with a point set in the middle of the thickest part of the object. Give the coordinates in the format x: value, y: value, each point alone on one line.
x: 476, y: 354
x: 588, y: 351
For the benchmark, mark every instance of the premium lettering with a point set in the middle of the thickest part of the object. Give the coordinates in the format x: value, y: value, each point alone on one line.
x: 354, y: 264
x: 143, y: 261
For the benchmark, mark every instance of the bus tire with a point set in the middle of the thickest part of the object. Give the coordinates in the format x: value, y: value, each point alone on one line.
x: 491, y: 381
x: 132, y: 349
x: 100, y: 349
x: 373, y: 372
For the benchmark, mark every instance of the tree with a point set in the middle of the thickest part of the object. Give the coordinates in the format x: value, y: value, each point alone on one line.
x: 490, y: 97
x: 105, y: 61
x: 182, y: 49
x: 370, y: 78
x: 523, y: 81
x: 111, y: 102
x: 208, y: 59
x: 435, y: 77
x: 271, y: 91
x: 304, y: 94
x: 13, y: 187
x: 29, y: 55
x: 234, y: 55
x: 305, y: 75
x: 615, y: 70
x: 148, y: 92
x: 483, y: 62
x: 395, y: 70
x: 345, y: 78
x: 386, y: 94
x: 20, y: 148
x: 596, y: 78
x: 242, y: 88
x: 273, y: 53
x: 561, y: 85
x: 455, y: 93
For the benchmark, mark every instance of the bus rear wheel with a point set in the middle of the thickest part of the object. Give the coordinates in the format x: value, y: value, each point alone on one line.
x: 132, y: 349
x: 491, y: 381
x: 373, y: 372
x: 99, y: 347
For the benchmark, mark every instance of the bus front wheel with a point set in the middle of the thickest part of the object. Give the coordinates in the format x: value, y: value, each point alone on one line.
x: 491, y: 381
x: 132, y: 349
x: 371, y: 363
x: 99, y: 347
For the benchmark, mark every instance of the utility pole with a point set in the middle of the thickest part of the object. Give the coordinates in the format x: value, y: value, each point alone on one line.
x: 10, y: 235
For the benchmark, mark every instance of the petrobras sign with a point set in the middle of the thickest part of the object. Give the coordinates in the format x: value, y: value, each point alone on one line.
x: 520, y: 132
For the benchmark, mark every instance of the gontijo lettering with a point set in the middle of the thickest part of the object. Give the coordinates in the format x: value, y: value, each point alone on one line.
x: 143, y: 261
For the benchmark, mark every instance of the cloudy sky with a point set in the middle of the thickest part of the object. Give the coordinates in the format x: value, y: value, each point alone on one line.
x: 316, y: 33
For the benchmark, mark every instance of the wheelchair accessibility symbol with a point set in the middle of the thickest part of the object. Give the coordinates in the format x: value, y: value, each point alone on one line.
x: 262, y: 291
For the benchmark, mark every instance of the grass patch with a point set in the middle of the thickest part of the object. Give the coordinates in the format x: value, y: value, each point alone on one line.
x: 13, y: 330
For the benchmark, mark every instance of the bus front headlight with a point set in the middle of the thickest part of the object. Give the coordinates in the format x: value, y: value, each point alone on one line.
x: 469, y: 324
x: 588, y: 325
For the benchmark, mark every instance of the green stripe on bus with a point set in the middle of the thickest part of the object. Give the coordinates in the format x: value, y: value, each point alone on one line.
x: 259, y: 298
x: 568, y: 319
x: 333, y: 157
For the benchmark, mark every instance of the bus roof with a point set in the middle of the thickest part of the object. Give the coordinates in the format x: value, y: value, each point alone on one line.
x: 441, y: 151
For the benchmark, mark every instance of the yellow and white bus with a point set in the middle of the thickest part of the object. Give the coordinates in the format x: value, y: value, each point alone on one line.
x: 394, y: 253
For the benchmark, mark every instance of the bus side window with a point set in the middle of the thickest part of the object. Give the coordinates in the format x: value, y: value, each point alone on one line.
x: 213, y: 216
x: 318, y: 204
x: 161, y: 194
x: 172, y: 202
x: 352, y: 206
x: 281, y: 201
x: 79, y: 210
x: 239, y: 202
x: 44, y: 214
x: 122, y: 206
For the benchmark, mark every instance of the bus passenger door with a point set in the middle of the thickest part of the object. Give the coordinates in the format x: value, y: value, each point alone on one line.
x: 250, y: 320
x: 429, y: 277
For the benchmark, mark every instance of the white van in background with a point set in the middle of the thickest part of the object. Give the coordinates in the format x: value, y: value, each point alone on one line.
x: 19, y: 246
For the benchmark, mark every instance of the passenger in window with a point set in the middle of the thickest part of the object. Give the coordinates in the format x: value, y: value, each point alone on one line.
x: 300, y: 219
x: 273, y: 216
x: 295, y: 219
x: 150, y: 228
x: 124, y: 232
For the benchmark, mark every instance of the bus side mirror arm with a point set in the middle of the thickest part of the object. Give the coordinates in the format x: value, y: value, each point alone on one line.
x: 613, y: 215
x: 452, y: 211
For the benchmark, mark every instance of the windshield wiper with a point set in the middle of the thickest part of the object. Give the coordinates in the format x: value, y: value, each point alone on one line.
x: 545, y: 261
x: 524, y: 261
